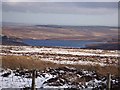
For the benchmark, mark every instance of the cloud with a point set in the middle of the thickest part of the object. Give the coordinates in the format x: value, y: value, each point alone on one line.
x: 62, y: 7
x: 60, y: 1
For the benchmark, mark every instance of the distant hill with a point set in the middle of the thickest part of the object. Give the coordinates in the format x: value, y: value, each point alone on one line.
x: 56, y: 32
x: 11, y: 41
x: 105, y: 46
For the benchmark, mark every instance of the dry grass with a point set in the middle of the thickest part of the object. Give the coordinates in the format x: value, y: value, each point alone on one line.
x: 28, y: 62
x: 14, y: 62
x: 99, y: 69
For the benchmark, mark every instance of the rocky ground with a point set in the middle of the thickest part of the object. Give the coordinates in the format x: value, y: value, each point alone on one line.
x: 64, y: 77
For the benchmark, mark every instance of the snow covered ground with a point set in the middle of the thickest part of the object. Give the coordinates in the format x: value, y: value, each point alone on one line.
x: 61, y: 77
x: 51, y: 78
x: 14, y: 81
x: 84, y: 52
x: 65, y: 55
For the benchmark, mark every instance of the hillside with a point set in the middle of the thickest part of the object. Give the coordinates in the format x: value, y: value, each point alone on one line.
x: 58, y: 68
x: 61, y: 32
x: 56, y: 32
x: 11, y: 41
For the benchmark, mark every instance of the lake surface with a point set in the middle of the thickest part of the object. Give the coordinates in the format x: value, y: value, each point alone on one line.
x: 59, y: 43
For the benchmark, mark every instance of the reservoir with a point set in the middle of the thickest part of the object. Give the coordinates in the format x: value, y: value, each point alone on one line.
x: 59, y: 43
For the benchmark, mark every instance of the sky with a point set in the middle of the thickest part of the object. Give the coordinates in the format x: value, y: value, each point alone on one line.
x: 61, y: 13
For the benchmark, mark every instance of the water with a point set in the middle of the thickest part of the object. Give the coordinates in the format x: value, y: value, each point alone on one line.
x: 59, y: 43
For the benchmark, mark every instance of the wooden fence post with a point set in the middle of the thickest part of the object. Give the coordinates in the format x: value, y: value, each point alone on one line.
x: 109, y: 81
x: 33, y: 79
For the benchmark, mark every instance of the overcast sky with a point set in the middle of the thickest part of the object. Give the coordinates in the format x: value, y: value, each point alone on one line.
x: 61, y: 13
x: 59, y: 0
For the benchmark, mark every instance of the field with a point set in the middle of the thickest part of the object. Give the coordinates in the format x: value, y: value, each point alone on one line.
x: 42, y: 57
x: 92, y: 65
x: 61, y: 32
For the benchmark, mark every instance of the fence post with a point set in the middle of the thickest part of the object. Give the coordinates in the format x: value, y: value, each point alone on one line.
x: 33, y: 79
x: 109, y: 81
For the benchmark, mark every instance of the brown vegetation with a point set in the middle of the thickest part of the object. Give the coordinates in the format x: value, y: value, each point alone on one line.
x: 22, y: 62
x: 28, y: 62
x: 62, y: 33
